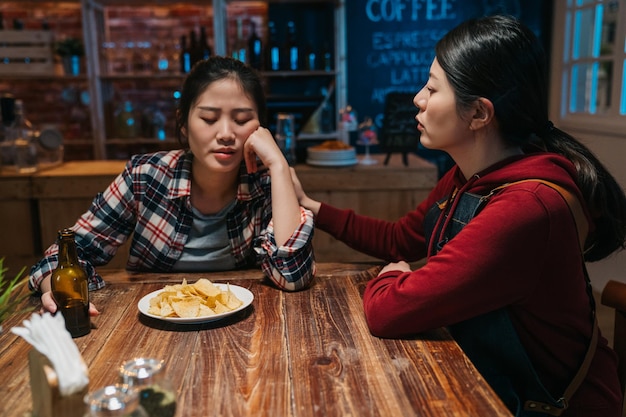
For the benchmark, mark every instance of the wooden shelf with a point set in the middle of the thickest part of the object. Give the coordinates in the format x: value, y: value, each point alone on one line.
x: 98, y: 21
x: 143, y: 77
x: 140, y: 141
x: 294, y: 74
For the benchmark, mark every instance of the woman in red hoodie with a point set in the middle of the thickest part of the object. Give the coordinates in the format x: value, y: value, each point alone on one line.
x: 510, y: 284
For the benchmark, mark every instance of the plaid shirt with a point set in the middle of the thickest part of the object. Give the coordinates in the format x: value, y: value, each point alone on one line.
x: 150, y: 200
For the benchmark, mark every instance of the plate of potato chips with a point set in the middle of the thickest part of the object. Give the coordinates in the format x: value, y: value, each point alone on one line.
x: 199, y: 302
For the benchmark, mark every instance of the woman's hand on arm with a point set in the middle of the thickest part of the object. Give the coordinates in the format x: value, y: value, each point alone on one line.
x: 304, y: 200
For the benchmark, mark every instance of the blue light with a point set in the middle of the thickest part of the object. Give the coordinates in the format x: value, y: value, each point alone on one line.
x: 597, y: 31
x: 622, y: 107
x: 574, y: 89
x: 576, y: 46
x: 593, y: 94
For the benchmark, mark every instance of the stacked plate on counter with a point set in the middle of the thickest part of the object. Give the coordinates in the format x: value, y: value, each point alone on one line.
x: 331, y: 153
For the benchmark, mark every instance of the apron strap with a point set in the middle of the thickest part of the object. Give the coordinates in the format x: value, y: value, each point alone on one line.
x: 582, y: 226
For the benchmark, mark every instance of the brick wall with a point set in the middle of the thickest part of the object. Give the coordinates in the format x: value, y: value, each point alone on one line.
x: 64, y: 102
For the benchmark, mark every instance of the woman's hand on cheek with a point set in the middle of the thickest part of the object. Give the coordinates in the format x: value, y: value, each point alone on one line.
x: 261, y: 144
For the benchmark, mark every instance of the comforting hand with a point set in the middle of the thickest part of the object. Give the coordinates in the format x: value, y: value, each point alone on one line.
x: 261, y: 144
x: 48, y: 304
x: 303, y: 199
x: 297, y: 186
x: 396, y: 266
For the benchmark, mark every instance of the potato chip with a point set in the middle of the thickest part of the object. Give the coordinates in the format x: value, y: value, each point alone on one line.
x: 166, y: 310
x: 200, y: 299
x: 186, y: 307
x: 206, y: 287
x: 229, y: 299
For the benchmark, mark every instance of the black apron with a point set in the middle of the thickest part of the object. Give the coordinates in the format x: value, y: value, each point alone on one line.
x: 490, y: 341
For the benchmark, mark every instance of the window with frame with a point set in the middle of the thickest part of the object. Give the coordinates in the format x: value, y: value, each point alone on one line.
x: 592, y: 61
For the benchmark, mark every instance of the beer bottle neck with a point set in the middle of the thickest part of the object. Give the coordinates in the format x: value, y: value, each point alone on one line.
x: 67, y: 252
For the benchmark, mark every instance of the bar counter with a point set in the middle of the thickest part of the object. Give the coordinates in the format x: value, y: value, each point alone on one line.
x: 307, y: 353
x: 33, y: 207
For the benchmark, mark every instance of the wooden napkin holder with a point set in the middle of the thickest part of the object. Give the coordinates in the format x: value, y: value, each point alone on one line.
x: 47, y: 399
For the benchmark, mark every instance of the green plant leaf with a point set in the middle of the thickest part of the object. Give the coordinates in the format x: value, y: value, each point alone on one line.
x: 12, y: 292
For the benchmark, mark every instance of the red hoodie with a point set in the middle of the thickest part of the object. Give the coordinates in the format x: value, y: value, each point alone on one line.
x: 521, y: 251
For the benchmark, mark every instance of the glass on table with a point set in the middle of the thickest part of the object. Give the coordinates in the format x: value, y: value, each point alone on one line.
x: 114, y: 400
x: 148, y: 377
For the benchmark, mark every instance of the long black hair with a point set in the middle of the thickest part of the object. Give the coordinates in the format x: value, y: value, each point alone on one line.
x: 212, y: 69
x: 498, y: 58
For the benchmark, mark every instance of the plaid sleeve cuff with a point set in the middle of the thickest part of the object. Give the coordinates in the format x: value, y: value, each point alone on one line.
x: 292, y: 265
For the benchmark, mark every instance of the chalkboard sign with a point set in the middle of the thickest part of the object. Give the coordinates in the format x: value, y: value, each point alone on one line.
x: 390, y: 43
x: 399, y: 129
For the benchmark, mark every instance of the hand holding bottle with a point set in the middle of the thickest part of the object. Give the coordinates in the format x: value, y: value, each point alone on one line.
x: 48, y: 304
x: 67, y: 287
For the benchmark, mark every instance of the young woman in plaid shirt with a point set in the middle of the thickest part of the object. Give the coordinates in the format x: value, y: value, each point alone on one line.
x: 224, y: 201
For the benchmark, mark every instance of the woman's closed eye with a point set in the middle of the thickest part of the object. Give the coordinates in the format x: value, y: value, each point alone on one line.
x: 243, y: 122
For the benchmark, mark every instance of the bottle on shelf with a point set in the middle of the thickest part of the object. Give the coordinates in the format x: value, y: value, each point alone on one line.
x: 240, y: 47
x: 291, y: 48
x: 185, y: 55
x: 49, y: 147
x: 174, y: 54
x: 310, y: 58
x: 143, y: 58
x: 153, y: 123
x: 286, y: 136
x: 7, y: 107
x: 70, y: 288
x: 255, y: 48
x: 272, y: 51
x: 204, y: 49
x: 158, y: 125
x: 327, y: 112
x: 24, y: 139
x: 163, y: 63
x: 193, y: 48
x: 126, y: 122
x: 327, y: 58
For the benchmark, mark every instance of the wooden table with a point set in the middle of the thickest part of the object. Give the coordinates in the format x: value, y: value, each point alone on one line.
x: 307, y: 353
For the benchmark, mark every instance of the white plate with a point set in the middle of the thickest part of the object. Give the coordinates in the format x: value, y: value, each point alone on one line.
x: 242, y: 293
x: 323, y: 163
x: 331, y: 155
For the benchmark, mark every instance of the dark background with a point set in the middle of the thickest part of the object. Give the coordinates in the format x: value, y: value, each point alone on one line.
x: 390, y: 45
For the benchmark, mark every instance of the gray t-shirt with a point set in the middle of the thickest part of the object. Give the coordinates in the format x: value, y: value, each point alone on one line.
x: 207, y: 248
